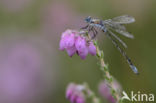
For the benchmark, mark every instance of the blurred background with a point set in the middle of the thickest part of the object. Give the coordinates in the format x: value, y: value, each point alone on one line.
x: 34, y: 70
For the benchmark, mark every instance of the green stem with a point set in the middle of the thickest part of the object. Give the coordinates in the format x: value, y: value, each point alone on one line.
x: 107, y: 75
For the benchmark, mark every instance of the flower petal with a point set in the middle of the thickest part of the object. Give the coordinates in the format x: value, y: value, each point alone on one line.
x: 70, y: 90
x: 62, y: 44
x: 80, y: 44
x: 81, y: 47
x: 92, y: 49
x: 83, y: 54
x: 67, y: 32
x: 80, y: 99
x: 69, y: 40
x: 71, y: 51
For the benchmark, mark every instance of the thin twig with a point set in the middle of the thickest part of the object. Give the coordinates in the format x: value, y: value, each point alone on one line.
x: 107, y: 75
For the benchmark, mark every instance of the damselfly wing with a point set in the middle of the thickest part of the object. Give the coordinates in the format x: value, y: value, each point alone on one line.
x: 116, y: 24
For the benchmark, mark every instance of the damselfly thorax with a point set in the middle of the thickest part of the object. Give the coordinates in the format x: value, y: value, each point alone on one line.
x: 97, y: 23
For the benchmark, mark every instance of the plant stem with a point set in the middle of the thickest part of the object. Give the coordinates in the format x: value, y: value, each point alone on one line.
x: 107, y: 75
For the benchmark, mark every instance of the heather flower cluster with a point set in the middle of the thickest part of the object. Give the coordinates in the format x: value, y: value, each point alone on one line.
x: 75, y: 94
x: 73, y: 42
x: 81, y: 43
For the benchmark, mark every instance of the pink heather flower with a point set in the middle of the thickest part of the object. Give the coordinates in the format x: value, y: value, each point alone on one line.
x: 67, y: 40
x: 70, y: 90
x: 80, y: 100
x: 67, y: 32
x: 81, y: 46
x: 92, y: 49
x: 83, y: 54
x: 70, y: 40
x: 75, y: 93
x: 71, y: 51
x: 62, y: 44
x: 105, y: 90
x: 74, y: 43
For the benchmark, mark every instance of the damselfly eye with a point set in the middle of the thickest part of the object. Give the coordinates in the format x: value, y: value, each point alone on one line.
x: 88, y: 19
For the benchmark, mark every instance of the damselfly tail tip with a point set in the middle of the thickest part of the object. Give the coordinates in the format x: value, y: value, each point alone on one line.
x: 135, y: 70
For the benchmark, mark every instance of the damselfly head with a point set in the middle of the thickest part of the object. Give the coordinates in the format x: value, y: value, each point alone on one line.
x: 88, y: 19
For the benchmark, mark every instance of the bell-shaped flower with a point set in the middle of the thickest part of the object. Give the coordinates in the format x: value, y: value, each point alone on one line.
x: 92, y: 49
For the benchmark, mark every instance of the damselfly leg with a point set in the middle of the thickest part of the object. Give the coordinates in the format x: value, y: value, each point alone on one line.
x: 85, y: 27
x: 91, y: 29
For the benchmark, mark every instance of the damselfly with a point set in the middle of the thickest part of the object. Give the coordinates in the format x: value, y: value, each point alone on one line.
x: 108, y: 27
